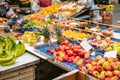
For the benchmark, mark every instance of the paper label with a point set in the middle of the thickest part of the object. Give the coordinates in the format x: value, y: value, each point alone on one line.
x: 112, y: 54
x: 86, y: 46
x: 93, y: 53
x: 116, y: 35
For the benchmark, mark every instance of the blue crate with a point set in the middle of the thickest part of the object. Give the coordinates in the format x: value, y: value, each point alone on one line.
x: 96, y: 54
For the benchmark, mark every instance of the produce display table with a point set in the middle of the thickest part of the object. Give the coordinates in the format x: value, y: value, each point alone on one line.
x: 23, y: 69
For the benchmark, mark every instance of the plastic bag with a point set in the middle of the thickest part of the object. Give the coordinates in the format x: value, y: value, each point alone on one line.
x: 10, y: 12
x: 45, y: 3
x: 35, y: 6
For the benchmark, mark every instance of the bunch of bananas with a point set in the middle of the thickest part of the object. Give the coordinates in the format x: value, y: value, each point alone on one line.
x: 31, y: 37
x: 10, y: 50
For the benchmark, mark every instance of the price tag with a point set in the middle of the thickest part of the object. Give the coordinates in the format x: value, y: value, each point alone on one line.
x: 93, y: 53
x: 86, y: 46
x: 116, y: 35
x: 93, y: 29
x: 112, y: 54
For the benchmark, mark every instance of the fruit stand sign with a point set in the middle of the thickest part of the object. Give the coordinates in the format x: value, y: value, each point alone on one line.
x: 116, y: 35
x: 86, y: 46
x: 112, y: 54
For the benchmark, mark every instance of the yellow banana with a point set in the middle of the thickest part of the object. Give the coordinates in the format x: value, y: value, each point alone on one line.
x: 6, y: 59
x: 9, y: 62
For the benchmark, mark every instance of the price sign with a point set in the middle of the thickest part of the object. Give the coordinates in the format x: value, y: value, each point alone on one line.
x: 112, y: 54
x: 86, y: 46
x: 116, y: 35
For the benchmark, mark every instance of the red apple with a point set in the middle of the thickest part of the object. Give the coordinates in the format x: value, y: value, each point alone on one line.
x: 66, y: 42
x: 98, y: 68
x: 48, y: 50
x: 88, y: 61
x: 70, y: 53
x: 115, y: 78
x: 108, y: 74
x: 52, y: 51
x: 57, y: 49
x: 108, y: 68
x: 116, y: 73
x: 107, y: 79
x: 66, y: 58
x: 106, y: 58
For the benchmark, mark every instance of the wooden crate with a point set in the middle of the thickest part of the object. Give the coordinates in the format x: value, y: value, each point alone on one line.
x: 27, y: 73
x: 73, y: 75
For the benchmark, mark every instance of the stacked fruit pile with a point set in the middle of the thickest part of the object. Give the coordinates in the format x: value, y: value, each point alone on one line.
x: 31, y: 37
x: 75, y: 35
x: 100, y: 42
x: 115, y: 46
x: 104, y: 68
x: 70, y: 53
x: 10, y: 50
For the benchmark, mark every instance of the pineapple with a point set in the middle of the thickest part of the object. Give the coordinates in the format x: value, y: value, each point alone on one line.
x: 46, y: 34
x: 59, y: 34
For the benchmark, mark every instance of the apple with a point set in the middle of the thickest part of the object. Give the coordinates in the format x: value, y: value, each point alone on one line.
x: 66, y: 42
x: 86, y: 55
x: 76, y: 51
x: 101, y: 77
x: 66, y: 48
x: 82, y: 68
x: 94, y: 63
x: 88, y: 61
x: 88, y: 66
x: 79, y: 62
x: 81, y: 54
x: 98, y: 68
x: 108, y: 68
x: 102, y: 72
x: 116, y: 73
x: 105, y: 64
x: 48, y: 50
x: 108, y: 74
x: 95, y: 73
x: 70, y: 60
x: 106, y: 58
x: 107, y: 78
x: 60, y: 59
x: 70, y: 53
x: 99, y: 57
x: 101, y: 61
x: 95, y: 59
x: 57, y: 49
x: 115, y: 78
x: 61, y: 54
x: 52, y: 51
x: 115, y: 66
x: 110, y: 60
x: 66, y: 58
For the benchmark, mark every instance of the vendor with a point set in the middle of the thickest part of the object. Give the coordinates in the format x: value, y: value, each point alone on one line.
x: 5, y: 9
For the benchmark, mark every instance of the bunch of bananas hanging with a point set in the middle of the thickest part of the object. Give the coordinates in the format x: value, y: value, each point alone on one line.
x: 10, y: 50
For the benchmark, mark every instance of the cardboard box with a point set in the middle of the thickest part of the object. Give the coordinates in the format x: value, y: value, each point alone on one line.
x: 73, y: 75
